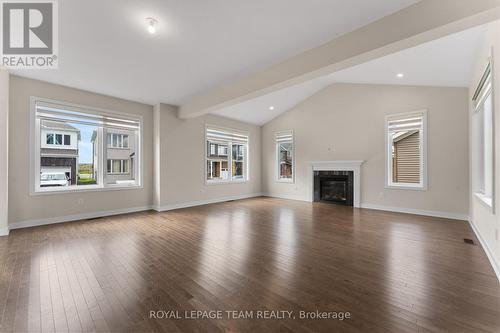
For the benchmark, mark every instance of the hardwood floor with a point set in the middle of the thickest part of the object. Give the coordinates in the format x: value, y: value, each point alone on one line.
x: 392, y: 272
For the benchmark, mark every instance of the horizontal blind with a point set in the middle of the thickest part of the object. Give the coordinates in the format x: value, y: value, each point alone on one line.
x: 284, y: 136
x: 225, y: 135
x: 71, y: 114
x: 408, y: 122
x: 484, y: 87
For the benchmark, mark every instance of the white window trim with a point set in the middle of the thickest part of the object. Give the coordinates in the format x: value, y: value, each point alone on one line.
x: 34, y: 158
x: 488, y: 201
x: 246, y: 171
x: 423, y: 185
x: 277, y: 160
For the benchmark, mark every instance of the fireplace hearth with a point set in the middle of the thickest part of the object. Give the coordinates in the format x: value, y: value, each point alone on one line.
x: 334, y: 187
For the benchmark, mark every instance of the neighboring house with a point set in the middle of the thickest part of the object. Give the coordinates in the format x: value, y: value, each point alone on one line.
x: 406, y: 157
x: 217, y: 164
x: 59, y: 149
x: 285, y: 162
x: 120, y: 154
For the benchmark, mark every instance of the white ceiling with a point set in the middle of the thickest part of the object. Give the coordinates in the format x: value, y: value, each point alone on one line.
x: 105, y: 47
x: 444, y: 62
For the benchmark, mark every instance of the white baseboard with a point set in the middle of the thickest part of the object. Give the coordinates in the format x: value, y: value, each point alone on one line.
x: 446, y: 215
x: 76, y: 217
x: 4, y: 231
x: 494, y: 263
x: 205, y: 202
x: 284, y: 196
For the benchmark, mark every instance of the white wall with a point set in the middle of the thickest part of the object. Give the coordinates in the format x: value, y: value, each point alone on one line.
x: 180, y: 160
x: 346, y: 122
x: 4, y: 151
x: 484, y: 222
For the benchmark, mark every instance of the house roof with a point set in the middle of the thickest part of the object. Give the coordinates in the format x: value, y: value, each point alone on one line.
x: 402, y: 135
x: 58, y: 126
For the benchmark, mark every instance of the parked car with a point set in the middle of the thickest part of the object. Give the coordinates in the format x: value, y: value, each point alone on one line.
x: 53, y: 179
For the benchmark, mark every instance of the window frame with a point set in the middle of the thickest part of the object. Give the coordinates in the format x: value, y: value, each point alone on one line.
x: 35, y: 144
x: 423, y: 184
x: 122, y: 136
x: 246, y: 163
x: 277, y: 158
x: 485, y: 89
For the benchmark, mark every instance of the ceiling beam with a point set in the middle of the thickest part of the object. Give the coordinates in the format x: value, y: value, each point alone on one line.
x: 422, y: 22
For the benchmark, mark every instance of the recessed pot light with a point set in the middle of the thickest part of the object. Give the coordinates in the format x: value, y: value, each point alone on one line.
x: 400, y: 75
x: 151, y: 24
x: 271, y: 108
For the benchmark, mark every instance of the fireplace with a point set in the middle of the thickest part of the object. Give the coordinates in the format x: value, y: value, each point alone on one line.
x: 334, y: 187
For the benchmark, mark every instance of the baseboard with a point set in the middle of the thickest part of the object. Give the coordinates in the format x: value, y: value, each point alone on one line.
x: 76, y: 217
x: 284, y: 196
x: 494, y: 263
x: 446, y: 215
x: 205, y: 202
x: 4, y: 231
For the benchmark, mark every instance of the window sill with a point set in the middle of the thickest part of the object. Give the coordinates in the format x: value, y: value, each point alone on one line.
x: 286, y: 181
x: 225, y: 182
x: 403, y: 186
x: 84, y: 188
x: 484, y: 199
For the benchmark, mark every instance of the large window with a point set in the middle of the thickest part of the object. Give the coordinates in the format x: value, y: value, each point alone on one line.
x: 285, y: 156
x: 406, y: 163
x: 483, y: 140
x: 75, y: 148
x: 226, y: 155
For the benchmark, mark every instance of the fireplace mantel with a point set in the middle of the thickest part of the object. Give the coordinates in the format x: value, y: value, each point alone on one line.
x: 354, y: 166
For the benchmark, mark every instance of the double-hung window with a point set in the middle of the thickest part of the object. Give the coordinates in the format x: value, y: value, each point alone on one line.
x: 226, y: 155
x: 81, y: 148
x: 285, y: 159
x: 483, y: 140
x: 406, y: 150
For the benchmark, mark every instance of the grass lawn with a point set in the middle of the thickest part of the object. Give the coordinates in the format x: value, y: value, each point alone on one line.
x: 86, y: 181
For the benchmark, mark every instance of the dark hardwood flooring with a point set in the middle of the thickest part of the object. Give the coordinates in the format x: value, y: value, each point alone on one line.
x: 392, y: 272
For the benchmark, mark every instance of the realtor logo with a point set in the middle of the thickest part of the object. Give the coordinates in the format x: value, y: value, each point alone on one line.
x: 29, y: 34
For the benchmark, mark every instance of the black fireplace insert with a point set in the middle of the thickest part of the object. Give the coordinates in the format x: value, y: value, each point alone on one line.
x: 334, y: 187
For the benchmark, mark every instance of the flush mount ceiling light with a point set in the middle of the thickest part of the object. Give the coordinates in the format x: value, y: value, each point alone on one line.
x: 400, y: 75
x: 151, y: 24
x: 271, y: 108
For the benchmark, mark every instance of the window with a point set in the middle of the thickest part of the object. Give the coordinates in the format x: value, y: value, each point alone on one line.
x: 406, y: 150
x: 220, y: 165
x: 116, y: 140
x: 118, y: 166
x: 71, y: 148
x: 285, y: 156
x: 57, y: 139
x: 483, y: 140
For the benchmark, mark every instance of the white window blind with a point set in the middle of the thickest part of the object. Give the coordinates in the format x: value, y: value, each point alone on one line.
x: 59, y: 113
x: 410, y: 122
x: 216, y: 134
x: 284, y: 136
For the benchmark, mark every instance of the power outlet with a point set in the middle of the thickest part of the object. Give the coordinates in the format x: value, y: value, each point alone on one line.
x: 496, y: 235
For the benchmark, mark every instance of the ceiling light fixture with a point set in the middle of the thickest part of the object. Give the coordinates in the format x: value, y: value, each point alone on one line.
x: 400, y: 75
x: 271, y: 108
x: 151, y: 24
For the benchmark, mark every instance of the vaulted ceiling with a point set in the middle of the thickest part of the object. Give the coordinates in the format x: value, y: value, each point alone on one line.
x: 105, y: 47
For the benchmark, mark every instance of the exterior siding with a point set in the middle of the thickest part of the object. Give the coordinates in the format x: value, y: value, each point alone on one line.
x: 407, y: 160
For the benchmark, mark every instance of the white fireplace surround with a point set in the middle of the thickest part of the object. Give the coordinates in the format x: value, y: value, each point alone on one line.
x: 354, y: 166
